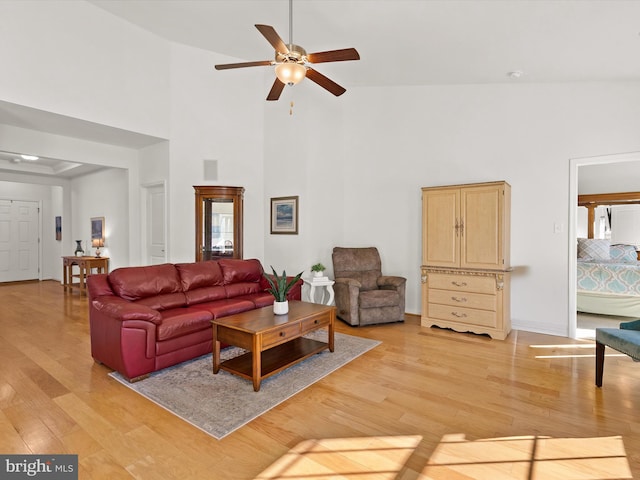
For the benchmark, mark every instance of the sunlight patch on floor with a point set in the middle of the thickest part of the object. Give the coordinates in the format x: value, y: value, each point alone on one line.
x: 362, y: 458
x: 528, y: 458
x: 514, y: 458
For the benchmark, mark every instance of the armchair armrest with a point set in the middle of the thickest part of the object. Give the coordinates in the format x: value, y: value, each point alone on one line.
x: 348, y: 282
x: 121, y: 309
x: 391, y: 281
x: 633, y: 325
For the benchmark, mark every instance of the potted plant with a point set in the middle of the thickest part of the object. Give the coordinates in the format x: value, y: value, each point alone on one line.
x: 318, y: 269
x: 279, y: 287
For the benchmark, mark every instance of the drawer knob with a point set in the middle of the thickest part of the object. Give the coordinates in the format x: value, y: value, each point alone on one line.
x: 459, y: 284
x: 459, y: 299
x: 459, y: 315
x: 315, y: 321
x: 282, y: 334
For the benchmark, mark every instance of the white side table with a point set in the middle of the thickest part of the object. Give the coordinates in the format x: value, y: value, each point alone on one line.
x: 314, y: 282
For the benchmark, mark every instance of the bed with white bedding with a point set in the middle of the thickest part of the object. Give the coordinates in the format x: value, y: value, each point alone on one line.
x: 608, y: 278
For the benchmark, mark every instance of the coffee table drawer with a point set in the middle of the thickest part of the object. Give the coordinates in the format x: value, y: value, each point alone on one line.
x: 311, y: 324
x: 280, y: 335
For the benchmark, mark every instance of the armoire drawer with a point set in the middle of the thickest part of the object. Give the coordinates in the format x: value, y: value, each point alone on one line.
x: 462, y: 283
x: 485, y: 318
x: 463, y: 299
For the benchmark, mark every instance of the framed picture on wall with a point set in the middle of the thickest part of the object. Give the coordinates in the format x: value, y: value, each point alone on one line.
x: 284, y: 215
x: 58, y: 228
x: 97, y: 231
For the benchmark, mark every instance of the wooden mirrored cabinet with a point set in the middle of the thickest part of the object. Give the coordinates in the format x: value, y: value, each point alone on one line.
x: 218, y: 222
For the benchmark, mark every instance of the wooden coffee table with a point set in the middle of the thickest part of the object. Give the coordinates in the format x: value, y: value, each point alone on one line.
x: 274, y: 342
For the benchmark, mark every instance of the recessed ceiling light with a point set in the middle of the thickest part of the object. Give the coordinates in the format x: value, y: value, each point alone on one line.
x: 515, y: 74
x: 29, y: 157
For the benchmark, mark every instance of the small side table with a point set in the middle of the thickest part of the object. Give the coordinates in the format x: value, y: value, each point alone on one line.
x: 324, y: 282
x: 86, y: 266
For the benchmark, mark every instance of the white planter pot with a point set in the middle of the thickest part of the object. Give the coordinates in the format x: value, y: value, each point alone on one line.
x: 281, y: 308
x: 318, y: 274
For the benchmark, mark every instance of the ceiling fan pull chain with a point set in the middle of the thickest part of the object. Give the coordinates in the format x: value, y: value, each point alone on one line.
x: 291, y: 108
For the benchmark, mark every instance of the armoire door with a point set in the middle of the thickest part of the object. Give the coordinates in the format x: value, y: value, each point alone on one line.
x: 482, y: 227
x: 441, y: 229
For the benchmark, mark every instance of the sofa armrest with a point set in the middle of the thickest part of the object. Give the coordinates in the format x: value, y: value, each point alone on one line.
x: 633, y: 325
x: 121, y: 309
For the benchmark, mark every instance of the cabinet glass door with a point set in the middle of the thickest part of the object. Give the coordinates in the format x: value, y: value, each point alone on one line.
x: 218, y: 222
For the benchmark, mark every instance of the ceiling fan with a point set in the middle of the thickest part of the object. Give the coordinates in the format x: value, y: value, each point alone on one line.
x: 293, y: 63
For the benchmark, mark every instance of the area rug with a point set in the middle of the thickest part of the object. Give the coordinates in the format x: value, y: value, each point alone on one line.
x: 219, y: 404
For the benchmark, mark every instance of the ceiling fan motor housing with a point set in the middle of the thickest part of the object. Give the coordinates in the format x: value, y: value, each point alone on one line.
x: 296, y: 54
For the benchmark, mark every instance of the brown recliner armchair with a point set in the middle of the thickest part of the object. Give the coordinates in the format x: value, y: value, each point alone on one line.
x: 363, y: 295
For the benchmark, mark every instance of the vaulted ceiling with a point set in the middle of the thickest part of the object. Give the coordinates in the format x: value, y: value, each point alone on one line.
x: 416, y: 42
x: 401, y: 42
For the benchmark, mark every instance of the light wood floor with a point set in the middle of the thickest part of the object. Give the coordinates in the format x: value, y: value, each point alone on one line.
x: 426, y: 403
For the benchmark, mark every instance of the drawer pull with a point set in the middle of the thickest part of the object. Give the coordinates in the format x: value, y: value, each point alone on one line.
x: 315, y: 321
x: 282, y: 334
x: 459, y: 299
x: 459, y: 284
x: 459, y: 315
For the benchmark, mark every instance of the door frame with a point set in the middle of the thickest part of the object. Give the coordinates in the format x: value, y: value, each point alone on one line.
x: 574, y: 164
x: 144, y: 218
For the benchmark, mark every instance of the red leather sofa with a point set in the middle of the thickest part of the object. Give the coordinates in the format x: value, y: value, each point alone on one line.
x: 143, y: 319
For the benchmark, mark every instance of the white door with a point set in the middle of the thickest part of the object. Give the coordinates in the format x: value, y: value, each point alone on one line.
x: 156, y: 248
x: 19, y: 237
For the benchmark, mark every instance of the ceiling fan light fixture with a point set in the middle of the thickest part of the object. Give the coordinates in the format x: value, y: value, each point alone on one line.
x: 290, y: 73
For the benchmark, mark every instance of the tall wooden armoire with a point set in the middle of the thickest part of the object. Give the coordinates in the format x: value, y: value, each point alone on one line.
x: 465, y: 258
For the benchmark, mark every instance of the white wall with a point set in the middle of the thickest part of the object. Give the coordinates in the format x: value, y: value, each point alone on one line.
x: 609, y: 178
x: 75, y: 59
x: 102, y: 194
x: 396, y: 140
x: 214, y: 116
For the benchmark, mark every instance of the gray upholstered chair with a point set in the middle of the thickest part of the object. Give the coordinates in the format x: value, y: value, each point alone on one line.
x: 625, y: 339
x: 363, y: 295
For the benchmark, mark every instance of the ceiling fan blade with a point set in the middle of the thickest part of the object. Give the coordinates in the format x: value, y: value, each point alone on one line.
x: 334, y: 55
x: 273, y: 38
x: 276, y: 90
x: 260, y: 63
x: 325, y: 82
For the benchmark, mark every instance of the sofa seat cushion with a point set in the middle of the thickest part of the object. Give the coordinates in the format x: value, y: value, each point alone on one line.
x: 182, y: 321
x: 379, y: 298
x: 260, y: 299
x: 164, y: 302
x: 243, y: 288
x: 205, y: 294
x: 135, y: 283
x: 223, y: 308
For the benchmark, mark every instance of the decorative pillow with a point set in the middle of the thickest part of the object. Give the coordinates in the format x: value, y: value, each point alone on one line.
x: 595, y: 248
x: 624, y: 253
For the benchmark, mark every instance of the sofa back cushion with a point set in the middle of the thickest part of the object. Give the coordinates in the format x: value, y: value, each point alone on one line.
x: 202, y: 281
x: 241, y: 271
x: 157, y: 286
x: 241, y: 277
x: 200, y: 274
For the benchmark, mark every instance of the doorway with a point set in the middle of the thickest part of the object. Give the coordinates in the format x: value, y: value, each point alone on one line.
x: 155, y: 235
x: 575, y: 164
x: 19, y: 240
